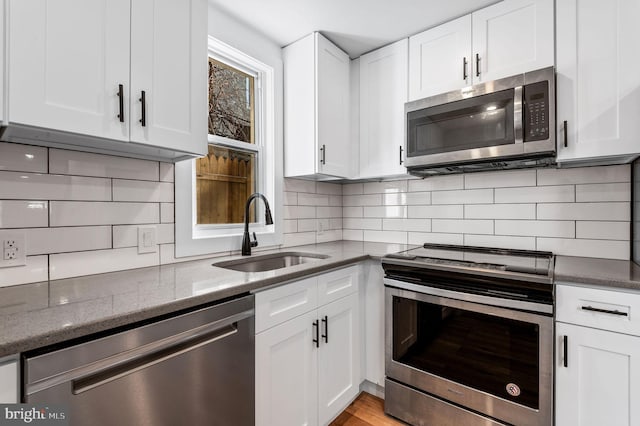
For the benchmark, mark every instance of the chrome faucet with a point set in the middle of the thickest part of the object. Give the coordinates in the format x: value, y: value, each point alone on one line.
x: 246, y: 240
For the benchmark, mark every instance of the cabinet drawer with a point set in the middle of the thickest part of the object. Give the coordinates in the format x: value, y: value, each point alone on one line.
x: 282, y: 303
x: 604, y: 309
x: 334, y: 285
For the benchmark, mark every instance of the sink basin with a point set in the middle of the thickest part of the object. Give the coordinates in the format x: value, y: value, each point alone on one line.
x: 269, y: 262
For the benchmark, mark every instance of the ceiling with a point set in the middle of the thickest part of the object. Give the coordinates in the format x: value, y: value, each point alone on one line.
x: 357, y: 26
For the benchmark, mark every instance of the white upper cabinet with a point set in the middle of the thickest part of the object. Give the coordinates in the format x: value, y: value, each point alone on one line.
x: 598, y: 82
x: 440, y: 59
x: 508, y: 38
x: 512, y: 37
x: 80, y: 67
x: 168, y: 66
x: 316, y: 99
x: 67, y: 62
x: 383, y: 93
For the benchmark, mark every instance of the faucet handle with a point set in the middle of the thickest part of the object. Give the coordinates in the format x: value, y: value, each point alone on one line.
x: 254, y: 243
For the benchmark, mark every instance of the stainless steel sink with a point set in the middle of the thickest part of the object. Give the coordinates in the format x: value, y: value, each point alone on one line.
x: 269, y: 262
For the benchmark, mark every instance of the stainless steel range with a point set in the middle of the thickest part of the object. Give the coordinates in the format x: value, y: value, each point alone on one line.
x: 469, y: 336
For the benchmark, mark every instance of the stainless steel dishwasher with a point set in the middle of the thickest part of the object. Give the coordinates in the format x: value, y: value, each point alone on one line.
x: 193, y: 369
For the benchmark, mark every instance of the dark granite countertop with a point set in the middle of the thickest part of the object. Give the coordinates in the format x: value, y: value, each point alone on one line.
x: 605, y: 273
x: 41, y: 314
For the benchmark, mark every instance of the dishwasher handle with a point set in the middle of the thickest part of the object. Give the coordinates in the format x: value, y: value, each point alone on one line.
x: 157, y: 352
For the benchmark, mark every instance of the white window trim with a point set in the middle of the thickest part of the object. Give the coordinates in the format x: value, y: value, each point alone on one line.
x: 193, y: 240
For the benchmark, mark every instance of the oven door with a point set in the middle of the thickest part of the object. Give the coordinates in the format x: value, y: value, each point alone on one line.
x: 492, y: 360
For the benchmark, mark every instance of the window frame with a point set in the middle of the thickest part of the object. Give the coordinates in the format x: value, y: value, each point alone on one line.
x: 193, y: 239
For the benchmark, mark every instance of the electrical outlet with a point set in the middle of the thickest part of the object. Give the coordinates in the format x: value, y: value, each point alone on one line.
x: 147, y: 239
x: 14, y: 249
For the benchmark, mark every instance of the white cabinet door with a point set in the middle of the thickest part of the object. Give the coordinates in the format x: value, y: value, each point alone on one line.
x: 512, y: 37
x: 383, y: 93
x: 66, y: 61
x: 287, y: 374
x: 339, y: 357
x: 440, y: 59
x: 598, y: 82
x: 601, y: 383
x: 2, y: 59
x: 169, y: 65
x: 332, y: 91
x: 8, y: 382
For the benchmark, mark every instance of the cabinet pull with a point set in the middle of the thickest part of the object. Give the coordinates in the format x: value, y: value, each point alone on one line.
x: 565, y: 349
x: 564, y: 125
x: 604, y: 311
x: 464, y: 69
x: 401, y: 155
x: 477, y: 65
x: 121, y: 102
x: 317, y: 339
x: 143, y: 101
x: 325, y: 336
x: 323, y: 158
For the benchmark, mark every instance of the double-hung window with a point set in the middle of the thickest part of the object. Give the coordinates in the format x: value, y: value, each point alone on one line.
x: 240, y: 158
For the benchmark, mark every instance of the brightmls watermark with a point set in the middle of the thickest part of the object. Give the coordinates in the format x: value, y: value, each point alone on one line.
x: 33, y: 414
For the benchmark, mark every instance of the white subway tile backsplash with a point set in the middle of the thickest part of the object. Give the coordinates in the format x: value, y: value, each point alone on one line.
x: 76, y: 264
x: 352, y: 211
x: 436, y: 212
x: 362, y: 200
x: 36, y: 270
x: 299, y: 239
x: 323, y: 212
x: 307, y: 225
x: 465, y: 226
x: 290, y: 198
x: 77, y: 213
x: 32, y: 186
x: 386, y: 211
x: 536, y: 228
x: 329, y: 235
x: 289, y: 226
x: 23, y: 214
x: 501, y: 179
x: 86, y: 164
x: 335, y: 200
x: 420, y: 238
x: 312, y: 200
x: 23, y: 158
x: 500, y: 211
x: 137, y: 190
x: 387, y: 187
x: 601, y: 174
x: 603, y: 230
x: 500, y: 241
x: 362, y: 223
x: 167, y: 213
x: 603, y: 192
x: 61, y: 240
x: 127, y: 235
x: 584, y: 211
x: 385, y: 236
x: 335, y: 223
x: 415, y: 225
x: 587, y: 248
x: 468, y: 196
x: 418, y: 198
x: 352, y: 189
x: 536, y: 194
x: 299, y: 185
x: 437, y: 183
x: 353, y: 234
x: 328, y: 188
x: 299, y: 212
x: 167, y: 172
x: 167, y: 255
x: 394, y: 199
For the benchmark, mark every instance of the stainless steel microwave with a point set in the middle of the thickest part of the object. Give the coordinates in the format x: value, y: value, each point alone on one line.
x: 501, y: 124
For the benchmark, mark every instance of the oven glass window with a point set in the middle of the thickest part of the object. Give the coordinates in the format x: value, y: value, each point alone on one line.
x: 478, y: 122
x: 481, y: 351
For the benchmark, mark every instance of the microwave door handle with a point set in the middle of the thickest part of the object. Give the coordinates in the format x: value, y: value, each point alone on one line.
x: 518, y: 107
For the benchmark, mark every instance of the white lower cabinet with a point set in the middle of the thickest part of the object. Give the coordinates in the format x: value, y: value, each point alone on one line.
x: 597, y: 358
x: 307, y: 364
x: 9, y: 382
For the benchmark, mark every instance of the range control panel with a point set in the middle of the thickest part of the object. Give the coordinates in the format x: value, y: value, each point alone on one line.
x: 536, y: 111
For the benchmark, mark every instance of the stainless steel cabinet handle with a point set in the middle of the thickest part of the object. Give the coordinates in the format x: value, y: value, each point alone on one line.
x: 121, y: 102
x: 464, y: 69
x: 316, y: 332
x: 564, y: 125
x: 143, y: 101
x: 565, y: 346
x: 604, y: 311
x: 325, y: 336
x: 477, y: 65
x: 323, y: 158
x: 401, y: 155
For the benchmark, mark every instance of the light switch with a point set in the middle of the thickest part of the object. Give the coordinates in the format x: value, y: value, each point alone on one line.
x: 147, y: 239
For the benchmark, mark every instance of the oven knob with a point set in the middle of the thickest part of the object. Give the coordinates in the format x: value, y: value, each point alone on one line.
x: 513, y: 389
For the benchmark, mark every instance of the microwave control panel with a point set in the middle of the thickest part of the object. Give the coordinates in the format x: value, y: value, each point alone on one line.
x: 536, y: 111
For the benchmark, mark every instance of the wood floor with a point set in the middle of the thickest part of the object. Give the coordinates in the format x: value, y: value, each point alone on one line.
x: 366, y: 410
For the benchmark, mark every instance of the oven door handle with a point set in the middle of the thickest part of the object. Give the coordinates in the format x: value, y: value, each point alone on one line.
x: 518, y: 108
